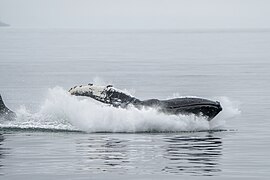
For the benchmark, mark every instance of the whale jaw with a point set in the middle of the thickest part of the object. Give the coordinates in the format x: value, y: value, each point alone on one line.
x: 198, y: 106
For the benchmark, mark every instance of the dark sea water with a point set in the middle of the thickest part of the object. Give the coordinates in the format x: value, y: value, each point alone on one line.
x: 56, y: 136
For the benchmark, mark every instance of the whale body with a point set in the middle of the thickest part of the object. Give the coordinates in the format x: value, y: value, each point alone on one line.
x: 117, y: 98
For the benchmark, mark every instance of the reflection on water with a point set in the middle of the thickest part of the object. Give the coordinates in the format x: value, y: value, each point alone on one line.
x: 195, y: 155
x: 1, y: 152
x: 178, y: 154
x: 103, y: 153
x: 174, y: 154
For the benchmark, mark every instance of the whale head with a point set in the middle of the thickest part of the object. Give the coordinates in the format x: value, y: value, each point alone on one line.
x: 106, y: 94
x: 90, y: 90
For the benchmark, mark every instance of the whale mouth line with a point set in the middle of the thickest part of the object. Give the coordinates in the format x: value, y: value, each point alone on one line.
x: 198, y: 105
x: 208, y: 111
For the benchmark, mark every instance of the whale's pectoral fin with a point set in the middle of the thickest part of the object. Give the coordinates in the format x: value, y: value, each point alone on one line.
x: 5, y: 112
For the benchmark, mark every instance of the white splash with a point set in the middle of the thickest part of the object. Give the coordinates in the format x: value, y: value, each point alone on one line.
x: 230, y: 110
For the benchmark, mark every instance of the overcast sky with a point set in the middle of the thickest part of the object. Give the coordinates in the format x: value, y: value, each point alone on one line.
x: 136, y: 14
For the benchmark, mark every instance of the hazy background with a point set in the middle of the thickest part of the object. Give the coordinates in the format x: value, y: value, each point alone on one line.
x: 136, y: 14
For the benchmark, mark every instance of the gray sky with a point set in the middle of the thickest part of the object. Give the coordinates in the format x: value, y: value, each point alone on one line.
x: 136, y: 14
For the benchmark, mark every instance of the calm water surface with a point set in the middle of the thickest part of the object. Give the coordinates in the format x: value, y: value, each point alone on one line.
x: 233, y: 67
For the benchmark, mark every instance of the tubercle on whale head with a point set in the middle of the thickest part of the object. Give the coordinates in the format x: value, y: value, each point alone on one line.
x: 72, y: 90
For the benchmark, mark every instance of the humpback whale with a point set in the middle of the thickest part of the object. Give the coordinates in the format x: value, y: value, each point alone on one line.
x: 117, y: 98
x: 5, y: 112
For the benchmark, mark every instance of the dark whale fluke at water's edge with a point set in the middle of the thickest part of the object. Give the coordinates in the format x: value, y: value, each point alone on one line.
x: 5, y: 112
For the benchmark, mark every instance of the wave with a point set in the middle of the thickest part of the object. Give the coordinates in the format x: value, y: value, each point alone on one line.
x: 63, y: 112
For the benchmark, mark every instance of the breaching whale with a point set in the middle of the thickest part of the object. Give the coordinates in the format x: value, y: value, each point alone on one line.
x: 117, y: 98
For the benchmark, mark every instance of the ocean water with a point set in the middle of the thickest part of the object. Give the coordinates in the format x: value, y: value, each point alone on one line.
x: 56, y: 136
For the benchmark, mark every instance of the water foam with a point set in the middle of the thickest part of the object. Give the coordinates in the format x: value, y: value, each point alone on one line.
x: 65, y: 112
x: 230, y: 110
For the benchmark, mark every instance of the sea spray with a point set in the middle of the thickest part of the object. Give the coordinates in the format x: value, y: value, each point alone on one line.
x: 230, y: 110
x: 92, y: 116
